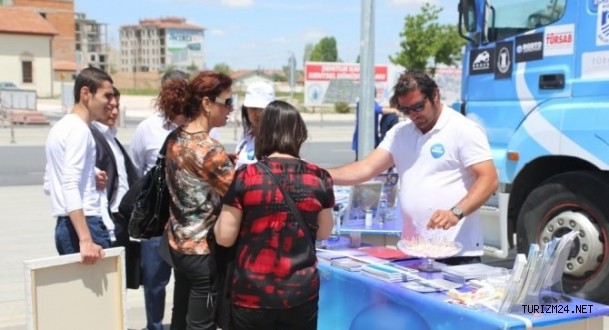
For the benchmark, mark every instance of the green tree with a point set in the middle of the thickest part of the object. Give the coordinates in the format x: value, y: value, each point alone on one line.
x: 223, y: 68
x: 325, y: 50
x: 192, y: 68
x: 428, y: 43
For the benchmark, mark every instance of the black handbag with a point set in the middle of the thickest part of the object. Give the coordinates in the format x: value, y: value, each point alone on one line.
x: 151, y: 205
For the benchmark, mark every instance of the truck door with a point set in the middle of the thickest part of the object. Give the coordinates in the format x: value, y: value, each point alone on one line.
x: 524, y: 58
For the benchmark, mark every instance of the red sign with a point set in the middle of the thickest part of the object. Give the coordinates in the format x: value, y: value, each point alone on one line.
x: 331, y: 71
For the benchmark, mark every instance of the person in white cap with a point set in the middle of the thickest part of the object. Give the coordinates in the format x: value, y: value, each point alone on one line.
x: 257, y: 96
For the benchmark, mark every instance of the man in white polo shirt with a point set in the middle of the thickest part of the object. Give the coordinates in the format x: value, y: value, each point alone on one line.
x: 445, y: 167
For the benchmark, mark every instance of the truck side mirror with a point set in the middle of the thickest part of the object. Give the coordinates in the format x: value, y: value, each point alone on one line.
x: 468, y: 20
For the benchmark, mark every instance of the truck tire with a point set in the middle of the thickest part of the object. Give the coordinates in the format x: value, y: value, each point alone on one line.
x: 566, y: 202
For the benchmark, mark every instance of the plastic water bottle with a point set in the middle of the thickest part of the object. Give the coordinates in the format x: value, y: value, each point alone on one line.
x: 368, y: 219
x: 382, y: 209
x: 337, y: 214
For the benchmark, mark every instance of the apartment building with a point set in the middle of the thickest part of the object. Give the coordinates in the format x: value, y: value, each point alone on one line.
x: 91, y: 42
x: 155, y: 44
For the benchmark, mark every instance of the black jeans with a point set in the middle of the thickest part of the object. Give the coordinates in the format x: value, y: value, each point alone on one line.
x: 194, y: 292
x: 303, y: 317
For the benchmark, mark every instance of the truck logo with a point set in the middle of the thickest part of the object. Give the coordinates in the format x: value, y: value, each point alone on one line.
x: 503, y: 60
x: 529, y: 47
x: 559, y: 40
x: 602, y: 26
x: 481, y: 61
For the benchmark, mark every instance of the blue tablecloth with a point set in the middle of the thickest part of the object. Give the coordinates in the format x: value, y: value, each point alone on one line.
x: 350, y: 300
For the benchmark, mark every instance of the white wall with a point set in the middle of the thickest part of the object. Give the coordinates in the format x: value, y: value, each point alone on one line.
x: 12, y: 46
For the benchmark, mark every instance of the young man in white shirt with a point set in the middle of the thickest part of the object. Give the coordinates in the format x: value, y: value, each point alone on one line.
x: 70, y: 153
x: 444, y: 162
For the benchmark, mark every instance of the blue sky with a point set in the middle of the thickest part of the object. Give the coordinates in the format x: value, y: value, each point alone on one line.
x: 249, y: 34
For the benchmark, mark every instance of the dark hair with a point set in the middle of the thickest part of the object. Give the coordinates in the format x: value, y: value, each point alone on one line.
x: 92, y: 78
x: 412, y: 80
x: 245, y: 121
x: 182, y: 97
x: 282, y: 130
x: 116, y: 92
x: 174, y: 74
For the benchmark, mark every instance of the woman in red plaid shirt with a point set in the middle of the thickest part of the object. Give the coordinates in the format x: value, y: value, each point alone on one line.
x: 275, y: 282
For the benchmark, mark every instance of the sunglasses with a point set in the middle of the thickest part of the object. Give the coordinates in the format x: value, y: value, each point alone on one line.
x: 417, y: 107
x: 228, y: 102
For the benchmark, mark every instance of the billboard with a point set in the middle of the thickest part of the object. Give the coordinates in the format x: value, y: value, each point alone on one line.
x: 330, y: 82
x: 185, y: 47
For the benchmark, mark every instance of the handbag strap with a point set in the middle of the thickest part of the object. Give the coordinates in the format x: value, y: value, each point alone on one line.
x: 288, y: 200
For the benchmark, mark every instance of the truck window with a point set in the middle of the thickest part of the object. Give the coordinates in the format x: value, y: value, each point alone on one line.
x: 506, y: 18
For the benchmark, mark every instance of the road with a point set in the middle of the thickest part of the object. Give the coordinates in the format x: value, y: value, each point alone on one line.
x: 25, y: 165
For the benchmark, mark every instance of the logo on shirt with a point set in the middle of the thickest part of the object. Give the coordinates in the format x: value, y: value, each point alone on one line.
x: 437, y: 150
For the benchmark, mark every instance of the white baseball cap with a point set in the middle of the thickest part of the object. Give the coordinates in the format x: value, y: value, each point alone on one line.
x: 259, y: 94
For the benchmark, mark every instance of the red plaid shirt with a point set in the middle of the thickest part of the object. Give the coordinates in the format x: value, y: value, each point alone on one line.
x: 275, y: 262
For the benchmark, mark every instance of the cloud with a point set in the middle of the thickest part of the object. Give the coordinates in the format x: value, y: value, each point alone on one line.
x: 217, y: 32
x: 314, y: 35
x: 408, y: 3
x: 237, y: 3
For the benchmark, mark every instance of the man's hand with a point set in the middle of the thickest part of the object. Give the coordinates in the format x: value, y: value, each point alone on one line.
x: 101, y: 180
x: 442, y: 219
x: 90, y: 252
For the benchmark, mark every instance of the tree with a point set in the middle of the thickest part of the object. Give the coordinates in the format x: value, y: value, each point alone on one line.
x: 192, y: 68
x: 222, y: 68
x: 325, y: 50
x: 426, y: 42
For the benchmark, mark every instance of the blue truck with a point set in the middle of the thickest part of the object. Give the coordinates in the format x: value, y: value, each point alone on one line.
x: 536, y: 76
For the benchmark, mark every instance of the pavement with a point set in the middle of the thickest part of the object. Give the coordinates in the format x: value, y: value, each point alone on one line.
x: 30, y: 233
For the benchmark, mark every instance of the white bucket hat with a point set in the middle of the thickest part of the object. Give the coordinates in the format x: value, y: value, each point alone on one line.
x: 259, y: 95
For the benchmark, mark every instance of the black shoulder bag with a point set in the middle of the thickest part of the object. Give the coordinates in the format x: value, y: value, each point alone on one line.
x: 151, y: 204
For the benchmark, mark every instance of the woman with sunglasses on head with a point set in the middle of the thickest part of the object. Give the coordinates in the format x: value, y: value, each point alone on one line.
x: 275, y: 279
x: 198, y: 172
x: 445, y: 166
x: 257, y: 96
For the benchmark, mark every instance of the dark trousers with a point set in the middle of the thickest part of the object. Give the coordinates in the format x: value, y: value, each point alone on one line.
x: 194, y: 293
x: 303, y: 317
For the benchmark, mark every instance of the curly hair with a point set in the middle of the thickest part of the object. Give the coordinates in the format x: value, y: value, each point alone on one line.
x: 412, y: 80
x: 183, y: 97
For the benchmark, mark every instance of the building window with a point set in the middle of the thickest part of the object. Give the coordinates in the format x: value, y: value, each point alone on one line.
x: 26, y: 71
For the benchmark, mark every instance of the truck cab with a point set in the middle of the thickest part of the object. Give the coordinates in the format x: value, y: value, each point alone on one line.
x: 536, y: 76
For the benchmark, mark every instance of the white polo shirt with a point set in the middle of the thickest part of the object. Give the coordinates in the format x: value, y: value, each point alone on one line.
x: 434, y: 175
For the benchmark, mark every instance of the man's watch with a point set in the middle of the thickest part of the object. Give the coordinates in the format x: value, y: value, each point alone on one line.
x: 457, y: 211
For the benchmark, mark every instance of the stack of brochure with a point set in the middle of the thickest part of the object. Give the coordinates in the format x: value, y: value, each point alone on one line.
x: 330, y: 255
x: 463, y: 273
x: 355, y: 264
x: 386, y: 272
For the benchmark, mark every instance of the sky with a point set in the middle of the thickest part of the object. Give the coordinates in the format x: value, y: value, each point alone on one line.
x: 251, y: 34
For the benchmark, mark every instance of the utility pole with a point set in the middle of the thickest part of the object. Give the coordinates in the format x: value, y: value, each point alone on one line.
x: 365, y: 128
x: 292, y: 78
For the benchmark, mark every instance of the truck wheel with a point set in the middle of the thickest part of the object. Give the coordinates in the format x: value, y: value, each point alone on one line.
x: 566, y: 202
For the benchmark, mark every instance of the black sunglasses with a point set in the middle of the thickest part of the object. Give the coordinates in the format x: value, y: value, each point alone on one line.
x: 227, y: 102
x: 417, y: 107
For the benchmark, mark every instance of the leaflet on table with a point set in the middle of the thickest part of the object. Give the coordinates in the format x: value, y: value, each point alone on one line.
x: 384, y: 252
x: 355, y: 263
x: 337, y: 254
x: 390, y: 187
x: 463, y: 273
x: 387, y: 272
